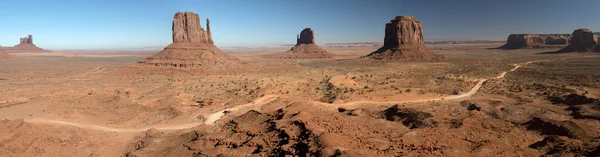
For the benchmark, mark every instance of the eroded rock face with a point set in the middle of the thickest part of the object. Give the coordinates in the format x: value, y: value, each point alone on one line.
x: 516, y: 41
x: 307, y: 36
x: 403, y: 30
x: 583, y: 40
x: 558, y: 40
x: 27, y: 40
x: 404, y: 41
x: 187, y: 29
x: 193, y: 47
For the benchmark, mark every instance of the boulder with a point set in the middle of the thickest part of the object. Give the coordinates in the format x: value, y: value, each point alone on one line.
x: 404, y: 41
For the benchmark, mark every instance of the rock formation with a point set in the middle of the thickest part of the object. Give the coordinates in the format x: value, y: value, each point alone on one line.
x: 558, y: 40
x: 187, y: 29
x: 404, y: 41
x: 583, y: 40
x: 192, y: 47
x: 25, y: 45
x: 305, y: 48
x: 517, y: 41
x: 307, y: 36
x: 27, y: 40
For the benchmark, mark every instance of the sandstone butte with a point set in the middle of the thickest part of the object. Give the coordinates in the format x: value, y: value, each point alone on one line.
x: 404, y: 41
x: 518, y: 41
x: 583, y: 40
x: 305, y: 48
x: 192, y: 47
x: 25, y: 45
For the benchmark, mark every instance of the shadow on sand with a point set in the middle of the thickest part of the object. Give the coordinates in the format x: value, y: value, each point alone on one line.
x: 551, y: 52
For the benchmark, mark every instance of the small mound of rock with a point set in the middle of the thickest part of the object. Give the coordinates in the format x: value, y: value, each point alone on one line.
x: 547, y: 126
x: 404, y: 41
x: 410, y: 118
x: 141, y: 141
x: 581, y: 106
x: 472, y: 107
x: 572, y: 99
x: 353, y: 112
x: 587, y: 111
x: 563, y: 146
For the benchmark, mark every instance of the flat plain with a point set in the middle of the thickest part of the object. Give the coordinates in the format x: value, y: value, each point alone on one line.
x: 478, y: 101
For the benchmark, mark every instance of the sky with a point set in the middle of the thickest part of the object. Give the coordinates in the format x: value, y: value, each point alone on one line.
x: 124, y: 24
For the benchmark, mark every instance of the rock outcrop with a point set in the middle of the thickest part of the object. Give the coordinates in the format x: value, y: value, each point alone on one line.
x: 25, y: 45
x: 192, y: 47
x: 187, y: 29
x: 305, y: 48
x: 517, y: 41
x: 553, y: 40
x: 307, y: 36
x: 583, y: 40
x: 404, y: 41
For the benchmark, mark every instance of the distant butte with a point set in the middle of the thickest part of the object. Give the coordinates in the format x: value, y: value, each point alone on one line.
x: 305, y: 48
x: 192, y: 47
x: 583, y: 40
x: 518, y: 41
x: 25, y: 45
x: 404, y: 41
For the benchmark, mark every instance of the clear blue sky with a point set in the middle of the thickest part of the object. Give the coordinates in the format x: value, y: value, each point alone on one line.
x: 116, y: 24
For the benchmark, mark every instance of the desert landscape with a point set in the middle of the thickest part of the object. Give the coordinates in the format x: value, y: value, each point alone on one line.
x: 531, y: 95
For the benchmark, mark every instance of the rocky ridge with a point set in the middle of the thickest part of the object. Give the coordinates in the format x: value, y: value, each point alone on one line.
x: 517, y: 41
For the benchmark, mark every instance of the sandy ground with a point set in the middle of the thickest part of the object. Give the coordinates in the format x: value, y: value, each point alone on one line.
x: 105, y: 102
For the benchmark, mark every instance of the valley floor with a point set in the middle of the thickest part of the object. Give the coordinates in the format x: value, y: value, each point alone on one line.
x: 479, y: 101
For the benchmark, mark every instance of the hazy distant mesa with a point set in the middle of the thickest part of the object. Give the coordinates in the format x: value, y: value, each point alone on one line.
x: 25, y: 44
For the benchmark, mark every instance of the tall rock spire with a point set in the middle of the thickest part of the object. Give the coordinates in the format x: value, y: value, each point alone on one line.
x: 209, y: 36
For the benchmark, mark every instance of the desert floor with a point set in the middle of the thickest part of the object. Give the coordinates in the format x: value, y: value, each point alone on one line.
x: 479, y: 101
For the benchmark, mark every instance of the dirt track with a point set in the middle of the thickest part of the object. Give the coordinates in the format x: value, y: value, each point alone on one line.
x: 212, y: 118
